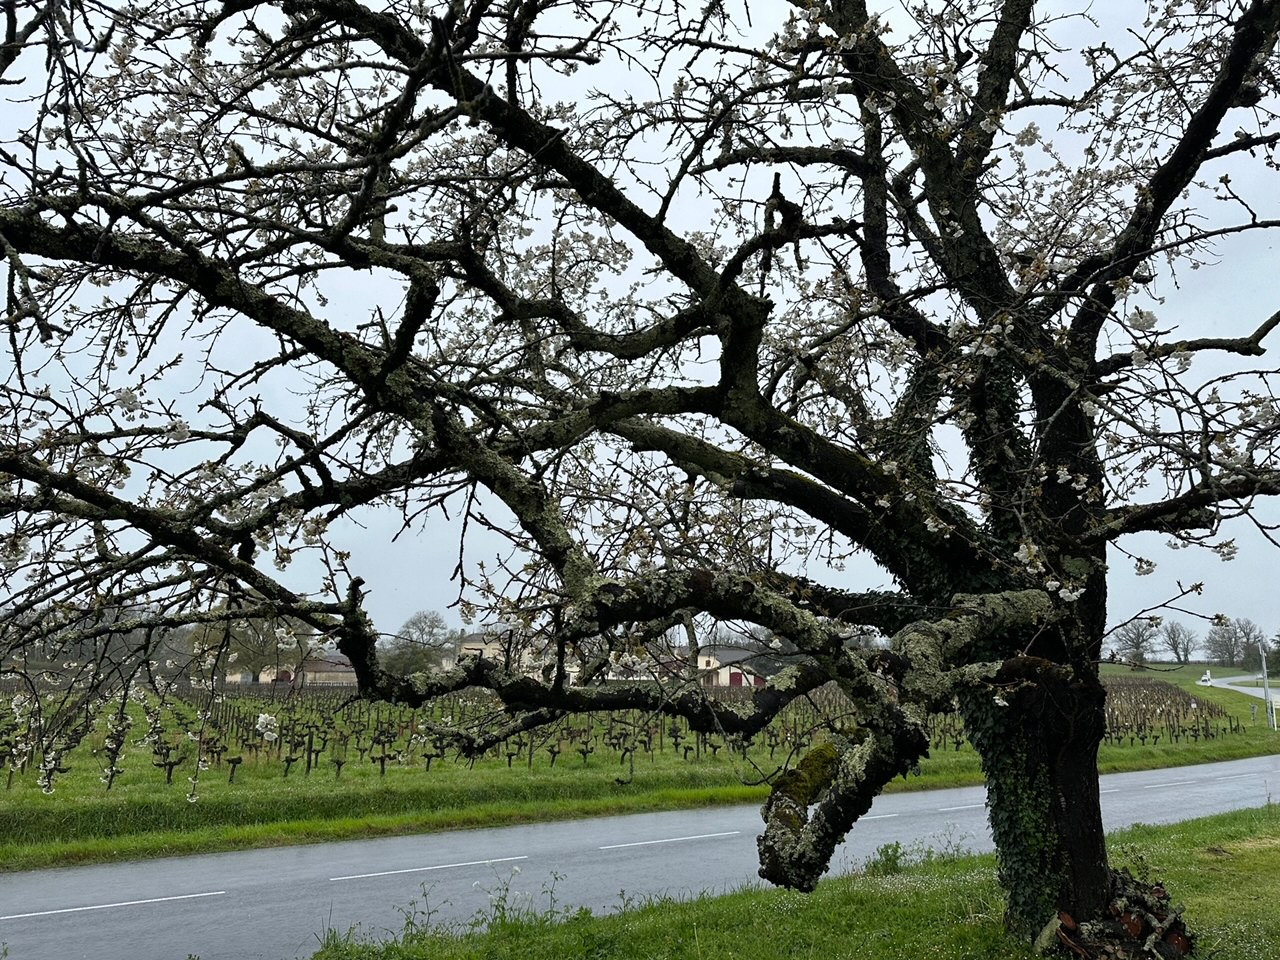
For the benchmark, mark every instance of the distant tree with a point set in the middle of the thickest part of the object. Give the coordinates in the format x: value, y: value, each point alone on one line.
x: 1228, y: 640
x: 1255, y: 648
x: 1136, y: 640
x: 1179, y: 640
x: 423, y: 642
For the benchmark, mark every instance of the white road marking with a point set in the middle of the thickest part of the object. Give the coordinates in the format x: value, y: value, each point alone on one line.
x: 1110, y: 790
x: 1236, y: 776
x: 645, y: 843
x: 438, y: 866
x: 1171, y: 783
x: 878, y: 816
x: 108, y: 906
x: 963, y: 806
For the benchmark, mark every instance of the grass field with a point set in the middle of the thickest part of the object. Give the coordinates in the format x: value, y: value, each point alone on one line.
x: 142, y: 817
x: 946, y: 909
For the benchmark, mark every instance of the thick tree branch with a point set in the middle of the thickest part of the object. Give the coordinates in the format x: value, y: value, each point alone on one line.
x: 839, y: 779
x: 1192, y: 510
x: 1253, y: 32
x: 1000, y: 64
x: 1250, y: 346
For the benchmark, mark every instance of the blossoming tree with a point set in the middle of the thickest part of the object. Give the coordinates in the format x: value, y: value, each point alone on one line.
x: 692, y: 303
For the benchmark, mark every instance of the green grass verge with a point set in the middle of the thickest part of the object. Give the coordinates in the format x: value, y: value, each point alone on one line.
x: 944, y: 909
x: 161, y: 843
x: 134, y: 822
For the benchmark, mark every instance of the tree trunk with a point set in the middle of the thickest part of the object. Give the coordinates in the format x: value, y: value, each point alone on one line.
x: 1040, y: 756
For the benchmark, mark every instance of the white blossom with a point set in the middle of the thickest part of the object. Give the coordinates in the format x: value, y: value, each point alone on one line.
x: 1226, y: 550
x: 1030, y: 557
x: 128, y: 399
x: 1029, y: 135
x: 1142, y: 320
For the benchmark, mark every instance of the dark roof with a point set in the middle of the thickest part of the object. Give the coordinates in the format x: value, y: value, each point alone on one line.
x: 764, y: 663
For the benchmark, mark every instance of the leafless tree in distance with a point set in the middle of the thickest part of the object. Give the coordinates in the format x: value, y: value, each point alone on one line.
x: 1135, y: 641
x: 1179, y: 640
x: 1229, y: 641
x: 423, y: 642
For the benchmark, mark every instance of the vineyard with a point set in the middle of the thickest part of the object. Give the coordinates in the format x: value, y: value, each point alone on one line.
x: 1142, y: 709
x: 277, y: 732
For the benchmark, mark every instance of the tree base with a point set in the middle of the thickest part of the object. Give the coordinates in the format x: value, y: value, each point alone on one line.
x: 1140, y: 924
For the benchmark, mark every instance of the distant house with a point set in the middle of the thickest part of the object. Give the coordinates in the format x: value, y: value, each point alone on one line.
x: 718, y: 665
x: 319, y: 669
x: 280, y: 674
x: 488, y: 644
x: 326, y: 669
x: 729, y: 666
x: 501, y: 644
x: 656, y: 664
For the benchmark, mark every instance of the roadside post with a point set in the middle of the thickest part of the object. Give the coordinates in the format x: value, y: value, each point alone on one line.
x: 1266, y: 688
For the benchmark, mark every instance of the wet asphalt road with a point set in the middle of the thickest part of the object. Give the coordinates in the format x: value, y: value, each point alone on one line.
x: 274, y: 904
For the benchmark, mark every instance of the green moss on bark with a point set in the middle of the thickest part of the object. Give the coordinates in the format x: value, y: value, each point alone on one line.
x: 810, y: 776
